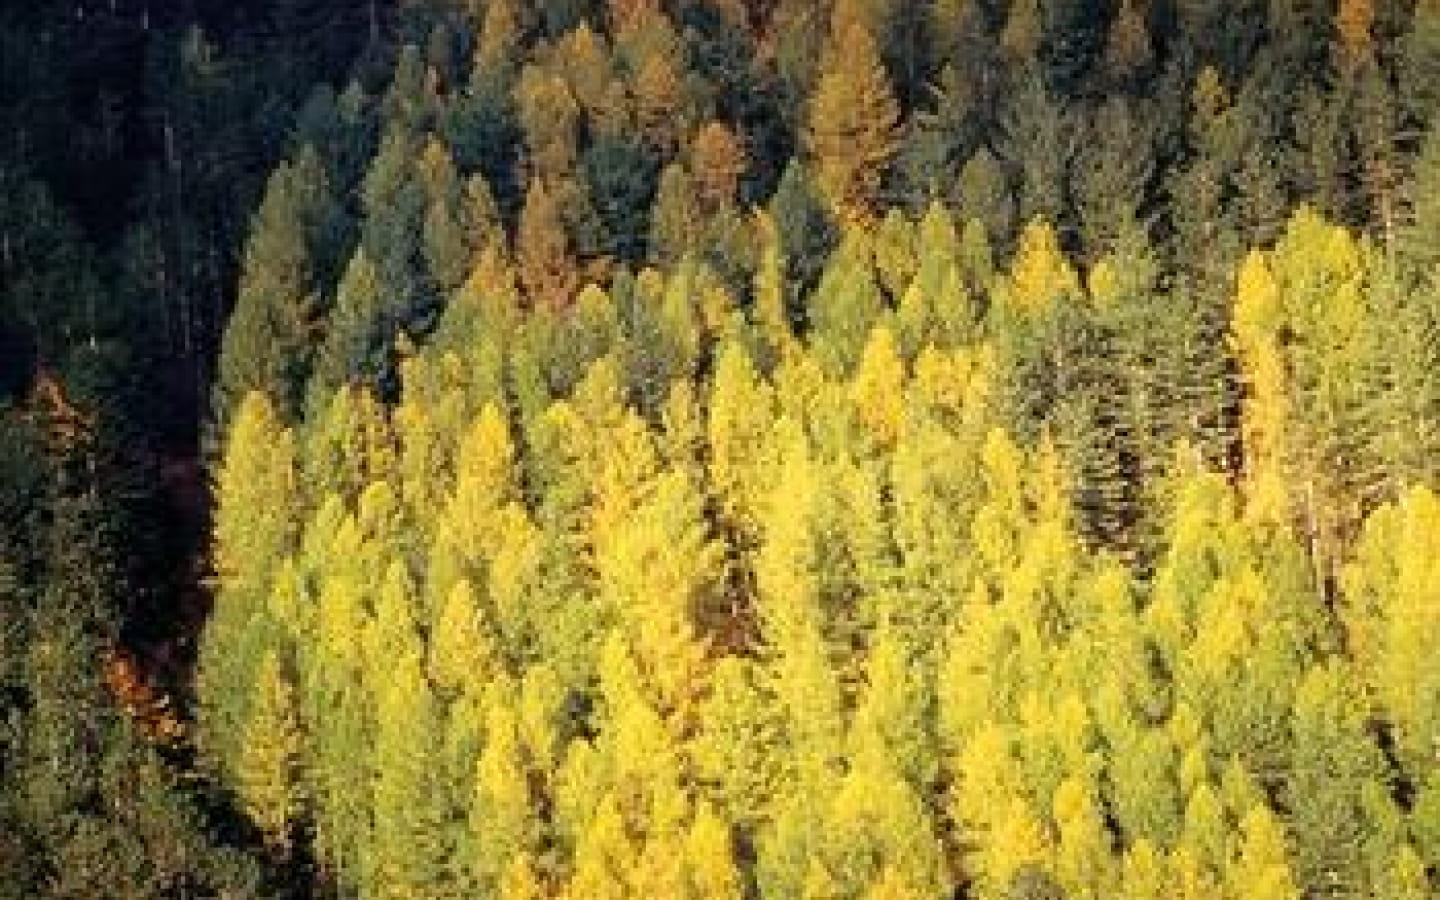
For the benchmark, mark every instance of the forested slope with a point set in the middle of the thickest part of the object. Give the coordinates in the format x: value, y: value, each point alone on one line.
x: 896, y: 449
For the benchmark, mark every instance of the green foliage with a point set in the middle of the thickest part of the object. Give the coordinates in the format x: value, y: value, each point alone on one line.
x: 283, y: 296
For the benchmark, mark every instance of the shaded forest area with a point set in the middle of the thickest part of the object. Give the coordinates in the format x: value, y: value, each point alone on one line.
x: 134, y: 142
x: 721, y: 449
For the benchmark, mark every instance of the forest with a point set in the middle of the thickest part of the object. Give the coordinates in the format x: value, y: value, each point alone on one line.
x: 699, y: 449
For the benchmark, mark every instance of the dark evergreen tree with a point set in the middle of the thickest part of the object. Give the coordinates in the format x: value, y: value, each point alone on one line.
x: 807, y: 232
x: 283, y: 299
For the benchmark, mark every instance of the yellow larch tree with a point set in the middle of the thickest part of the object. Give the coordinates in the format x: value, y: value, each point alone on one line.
x: 1265, y: 422
x: 1040, y: 276
x: 461, y: 644
x: 503, y: 826
x: 1084, y: 859
x: 485, y: 483
x: 710, y: 858
x: 1020, y: 840
x: 1261, y: 869
x: 741, y: 418
x: 269, y: 773
x: 1145, y: 873
x: 656, y: 567
x: 879, y: 389
x: 1391, y: 611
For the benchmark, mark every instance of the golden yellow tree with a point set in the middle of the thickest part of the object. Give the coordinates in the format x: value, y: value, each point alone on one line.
x: 268, y: 773
x: 1257, y: 318
x: 1261, y: 870
x: 853, y: 133
x: 879, y: 389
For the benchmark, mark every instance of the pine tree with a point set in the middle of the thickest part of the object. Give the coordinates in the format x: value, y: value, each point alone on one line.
x: 255, y: 530
x: 1040, y: 277
x: 656, y: 566
x: 1419, y: 63
x: 807, y: 231
x: 1145, y: 875
x: 449, y: 236
x: 773, y: 314
x: 1416, y: 241
x: 1084, y: 861
x: 1354, y: 21
x: 1406, y: 878
x: 740, y: 751
x: 676, y: 222
x: 718, y: 159
x: 521, y: 881
x: 1390, y: 618
x: 393, y: 235
x: 461, y: 647
x: 255, y: 496
x: 621, y: 175
x: 788, y: 584
x: 550, y: 117
x: 1425, y: 821
x: 874, y: 821
x: 338, y: 708
x: 1017, y: 853
x: 604, y: 858
x: 1023, y: 32
x: 845, y: 306
x: 1113, y: 168
x: 741, y: 415
x: 486, y: 485
x: 1147, y: 804
x: 1258, y: 317
x: 660, y: 100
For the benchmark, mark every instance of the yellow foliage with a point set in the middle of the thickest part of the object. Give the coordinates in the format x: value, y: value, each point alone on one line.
x: 1040, y: 275
x: 1258, y: 308
x: 604, y: 858
x: 268, y: 771
x: 892, y: 885
x: 1146, y: 875
x: 520, y: 881
x: 711, y: 858
x: 1261, y: 871
x: 1018, y: 839
x: 461, y: 651
x: 879, y: 389
x: 255, y: 493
